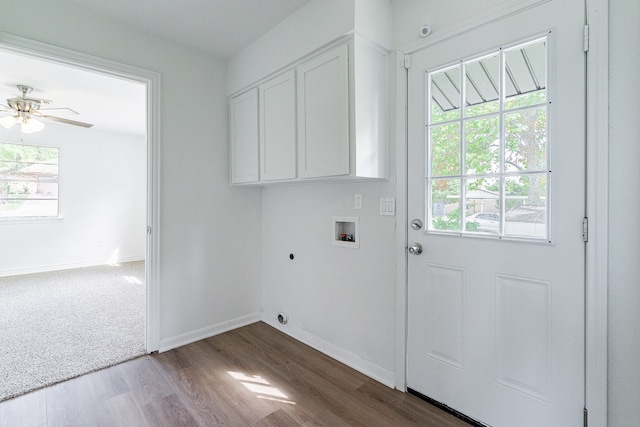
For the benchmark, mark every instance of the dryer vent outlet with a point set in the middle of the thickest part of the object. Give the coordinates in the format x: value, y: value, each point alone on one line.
x: 282, y: 317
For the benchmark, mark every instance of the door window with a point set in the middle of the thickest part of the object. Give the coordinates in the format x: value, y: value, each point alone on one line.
x: 488, y: 145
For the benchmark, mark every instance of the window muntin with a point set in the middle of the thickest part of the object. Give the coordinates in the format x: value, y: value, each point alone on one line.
x: 28, y: 181
x: 487, y: 130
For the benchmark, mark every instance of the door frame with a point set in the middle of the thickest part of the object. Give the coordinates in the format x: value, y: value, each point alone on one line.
x: 597, y: 171
x: 151, y: 79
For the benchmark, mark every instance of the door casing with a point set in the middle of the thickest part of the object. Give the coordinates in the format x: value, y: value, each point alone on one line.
x: 596, y: 304
x: 151, y: 79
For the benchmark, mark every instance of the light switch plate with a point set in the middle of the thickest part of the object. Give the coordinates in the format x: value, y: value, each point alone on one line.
x: 388, y: 206
x: 357, y: 202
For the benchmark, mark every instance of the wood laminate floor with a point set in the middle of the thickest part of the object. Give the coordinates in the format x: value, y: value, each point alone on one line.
x: 252, y: 376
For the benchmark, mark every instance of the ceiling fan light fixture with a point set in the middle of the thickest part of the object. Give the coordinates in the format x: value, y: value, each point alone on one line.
x: 24, y: 108
x: 9, y: 121
x: 31, y: 125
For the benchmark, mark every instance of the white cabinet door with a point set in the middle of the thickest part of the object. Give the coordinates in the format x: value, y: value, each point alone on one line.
x: 278, y: 128
x: 323, y: 114
x: 243, y: 135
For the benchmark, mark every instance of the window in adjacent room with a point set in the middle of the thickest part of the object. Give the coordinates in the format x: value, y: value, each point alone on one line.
x: 28, y: 182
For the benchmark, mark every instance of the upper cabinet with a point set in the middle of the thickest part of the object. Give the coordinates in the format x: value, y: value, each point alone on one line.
x: 278, y: 128
x: 323, y: 114
x: 324, y: 117
x: 243, y: 137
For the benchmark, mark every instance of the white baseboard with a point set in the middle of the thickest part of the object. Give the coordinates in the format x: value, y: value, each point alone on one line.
x: 66, y: 266
x: 350, y: 359
x: 207, y: 332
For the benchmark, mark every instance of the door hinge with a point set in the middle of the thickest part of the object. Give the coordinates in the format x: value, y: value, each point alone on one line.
x: 586, y: 38
x: 149, y: 230
x: 586, y: 417
x: 585, y: 229
x: 406, y: 62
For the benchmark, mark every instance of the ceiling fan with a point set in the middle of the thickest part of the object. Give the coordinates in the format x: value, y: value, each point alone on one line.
x: 24, y: 109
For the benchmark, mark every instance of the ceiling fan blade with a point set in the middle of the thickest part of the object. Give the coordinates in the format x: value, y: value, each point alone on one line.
x: 66, y: 121
x: 59, y: 108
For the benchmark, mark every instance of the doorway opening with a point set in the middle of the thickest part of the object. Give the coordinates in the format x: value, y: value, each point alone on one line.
x: 101, y: 238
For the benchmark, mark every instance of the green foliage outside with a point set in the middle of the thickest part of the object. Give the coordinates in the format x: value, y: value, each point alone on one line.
x: 525, y: 150
x: 17, y: 179
x: 26, y: 154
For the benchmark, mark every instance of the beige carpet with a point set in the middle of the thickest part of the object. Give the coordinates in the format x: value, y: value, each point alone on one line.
x: 59, y: 325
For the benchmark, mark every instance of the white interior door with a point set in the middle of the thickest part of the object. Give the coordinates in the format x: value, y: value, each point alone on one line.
x: 496, y: 298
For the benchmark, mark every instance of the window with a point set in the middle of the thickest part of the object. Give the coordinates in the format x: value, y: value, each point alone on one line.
x: 28, y: 181
x: 488, y: 168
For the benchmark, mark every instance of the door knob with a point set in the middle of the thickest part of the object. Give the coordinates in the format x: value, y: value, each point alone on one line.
x: 415, y: 249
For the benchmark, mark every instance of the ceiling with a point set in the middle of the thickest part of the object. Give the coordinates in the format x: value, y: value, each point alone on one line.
x: 217, y: 27
x: 110, y: 104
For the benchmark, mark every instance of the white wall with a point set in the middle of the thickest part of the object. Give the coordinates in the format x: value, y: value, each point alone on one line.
x: 624, y: 198
x: 410, y: 15
x: 209, y: 275
x: 344, y: 300
x: 102, y: 185
x: 339, y: 300
x: 624, y: 205
x: 310, y: 27
x: 304, y: 287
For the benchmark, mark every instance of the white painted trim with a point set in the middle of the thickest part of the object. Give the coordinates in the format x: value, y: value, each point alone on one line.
x: 478, y: 20
x: 597, y: 272
x: 338, y: 353
x: 153, y: 213
x: 151, y: 79
x: 170, y: 343
x: 400, y: 121
x: 67, y: 266
x: 596, y: 304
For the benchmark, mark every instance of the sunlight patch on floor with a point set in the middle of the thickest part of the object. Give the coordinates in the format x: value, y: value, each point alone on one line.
x: 261, y: 387
x: 132, y: 280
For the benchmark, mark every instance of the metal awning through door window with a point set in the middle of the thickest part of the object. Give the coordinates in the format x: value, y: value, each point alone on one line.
x: 525, y: 73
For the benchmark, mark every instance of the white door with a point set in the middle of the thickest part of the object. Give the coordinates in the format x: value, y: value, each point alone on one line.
x: 496, y: 176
